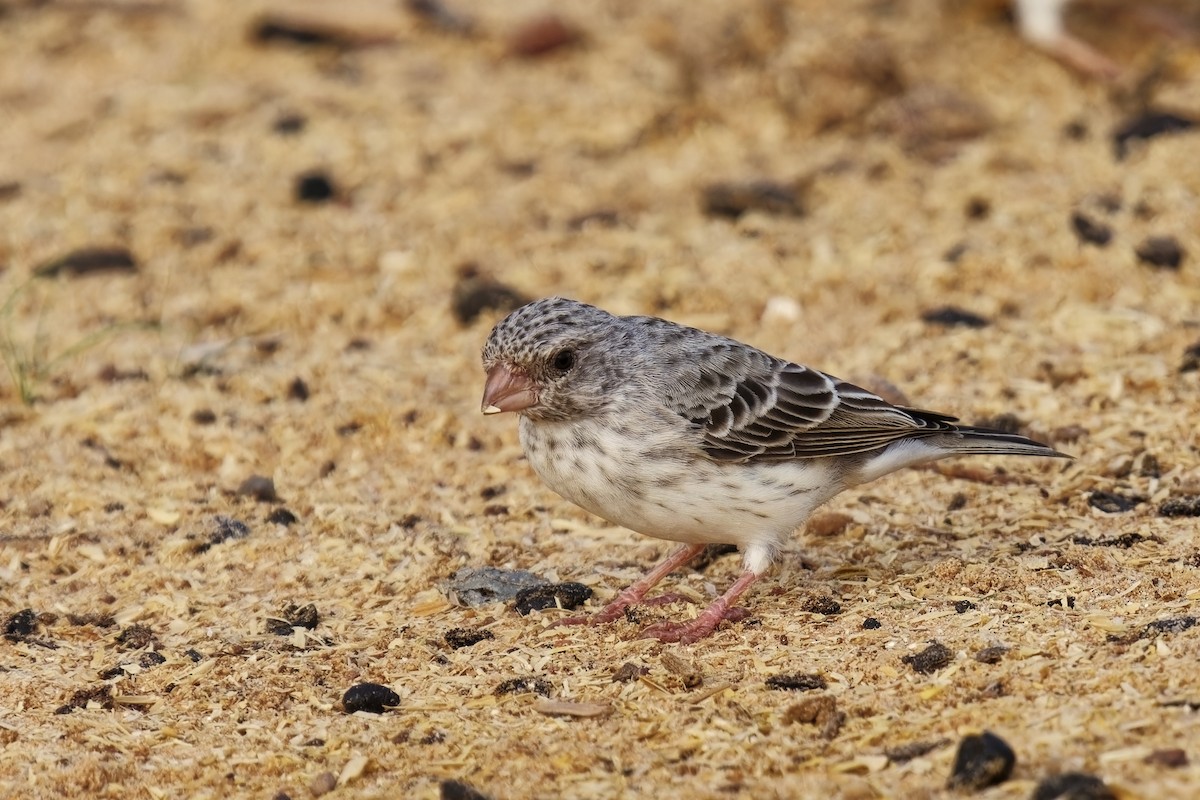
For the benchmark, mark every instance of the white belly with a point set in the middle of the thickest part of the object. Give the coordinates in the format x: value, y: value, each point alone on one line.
x: 635, y: 482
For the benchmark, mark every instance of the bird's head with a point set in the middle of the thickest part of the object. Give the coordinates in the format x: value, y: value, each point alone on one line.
x: 551, y: 359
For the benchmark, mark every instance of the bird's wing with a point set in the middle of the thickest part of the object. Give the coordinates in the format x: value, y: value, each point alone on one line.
x: 764, y: 409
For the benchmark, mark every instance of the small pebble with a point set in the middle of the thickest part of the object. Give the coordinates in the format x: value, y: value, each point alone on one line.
x: 732, y: 200
x: 323, y: 784
x: 566, y: 595
x: 1111, y: 503
x: 1148, y: 125
x: 475, y: 586
x: 1090, y: 231
x: 825, y: 606
x: 226, y: 528
x: 907, y: 752
x: 258, y: 487
x: 314, y: 187
x: 1072, y: 786
x: 821, y: 711
x: 289, y: 124
x: 951, y: 317
x: 540, y: 36
x: 1163, y: 252
x: 19, y: 625
x: 629, y: 672
x: 457, y: 790
x: 89, y: 261
x: 982, y: 760
x: 204, y: 416
x: 963, y: 606
x: 281, y: 516
x: 931, y: 659
x: 458, y: 638
x: 298, y: 390
x: 135, y: 637
x: 371, y: 697
x: 798, y: 682
x: 1183, y: 506
x: 871, y: 624
x: 305, y: 616
x: 1191, y: 358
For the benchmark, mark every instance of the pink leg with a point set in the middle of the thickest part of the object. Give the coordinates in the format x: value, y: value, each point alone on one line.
x: 637, y: 592
x: 721, y: 609
x: 1081, y: 56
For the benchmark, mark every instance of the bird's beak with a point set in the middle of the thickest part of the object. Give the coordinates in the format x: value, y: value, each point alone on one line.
x: 507, y: 390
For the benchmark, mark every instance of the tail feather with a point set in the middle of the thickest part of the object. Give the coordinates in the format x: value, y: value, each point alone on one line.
x: 972, y: 440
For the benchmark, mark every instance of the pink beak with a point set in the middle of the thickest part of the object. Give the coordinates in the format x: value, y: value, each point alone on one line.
x: 507, y: 390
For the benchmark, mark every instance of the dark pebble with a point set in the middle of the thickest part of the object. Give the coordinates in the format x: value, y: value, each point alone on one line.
x: 195, y: 655
x: 731, y: 200
x: 473, y: 295
x: 438, y: 15
x: 281, y: 516
x: 278, y: 627
x: 799, y: 682
x: 226, y: 528
x: 982, y: 760
x: 1170, y: 625
x: 305, y: 616
x: 89, y: 261
x: 522, y: 685
x: 1191, y: 358
x: 260, y: 488
x: 457, y: 790
x: 963, y: 606
x: 458, y: 638
x: 151, y: 659
x: 1171, y: 758
x: 204, y: 416
x: 1147, y: 125
x: 871, y: 624
x: 9, y: 189
x: 1124, y: 541
x: 977, y: 208
x: 371, y: 697
x: 629, y: 672
x: 540, y: 36
x: 1067, y: 602
x: 1090, y: 231
x: 931, y: 659
x: 1164, y: 252
x: 1111, y: 503
x: 907, y: 752
x: 957, y: 502
x: 566, y: 595
x: 1072, y: 786
x: 21, y: 624
x: 951, y: 316
x: 1184, y: 506
x: 475, y: 586
x: 991, y: 655
x: 135, y: 636
x: 298, y: 390
x: 289, y: 124
x: 314, y: 187
x: 825, y: 605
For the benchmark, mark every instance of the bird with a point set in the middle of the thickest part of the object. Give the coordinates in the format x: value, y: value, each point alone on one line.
x: 696, y: 438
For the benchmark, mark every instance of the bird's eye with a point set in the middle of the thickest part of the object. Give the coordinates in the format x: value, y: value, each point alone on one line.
x: 563, y: 360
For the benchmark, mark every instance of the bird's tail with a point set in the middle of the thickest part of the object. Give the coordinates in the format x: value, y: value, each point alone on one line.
x: 972, y: 440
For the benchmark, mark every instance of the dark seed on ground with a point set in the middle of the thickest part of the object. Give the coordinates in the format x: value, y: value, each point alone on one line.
x: 474, y: 294
x: 1072, y: 786
x: 1184, y: 506
x: 204, y: 416
x: 458, y: 638
x: 314, y: 187
x: 1111, y: 503
x: 963, y: 606
x: 457, y: 790
x: 931, y: 659
x: 799, y: 682
x: 298, y: 390
x: 195, y: 655
x: 305, y: 616
x: 289, y: 124
x: 732, y: 200
x: 1171, y: 758
x: 281, y: 516
x: 89, y: 261
x: 151, y: 659
x: 825, y: 605
x: 951, y: 316
x: 278, y: 627
x: 540, y: 36
x: 370, y: 697
x: 553, y: 595
x: 1090, y: 231
x: 523, y: 685
x: 226, y: 528
x: 136, y: 636
x: 629, y: 672
x: 991, y: 655
x: 1164, y: 252
x: 260, y: 488
x: 1146, y: 126
x: 871, y: 624
x: 982, y: 760
x: 1191, y: 359
x: 21, y: 624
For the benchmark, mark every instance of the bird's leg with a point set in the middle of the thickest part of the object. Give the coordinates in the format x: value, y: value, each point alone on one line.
x: 636, y: 593
x: 721, y: 609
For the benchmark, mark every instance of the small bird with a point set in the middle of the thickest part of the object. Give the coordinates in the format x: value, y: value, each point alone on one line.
x: 693, y: 437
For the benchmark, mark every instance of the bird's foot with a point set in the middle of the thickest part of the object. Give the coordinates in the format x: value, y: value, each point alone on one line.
x: 695, y: 630
x: 616, y: 609
x: 666, y: 598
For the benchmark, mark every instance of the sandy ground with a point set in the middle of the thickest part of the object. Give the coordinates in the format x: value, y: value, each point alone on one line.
x: 923, y: 157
